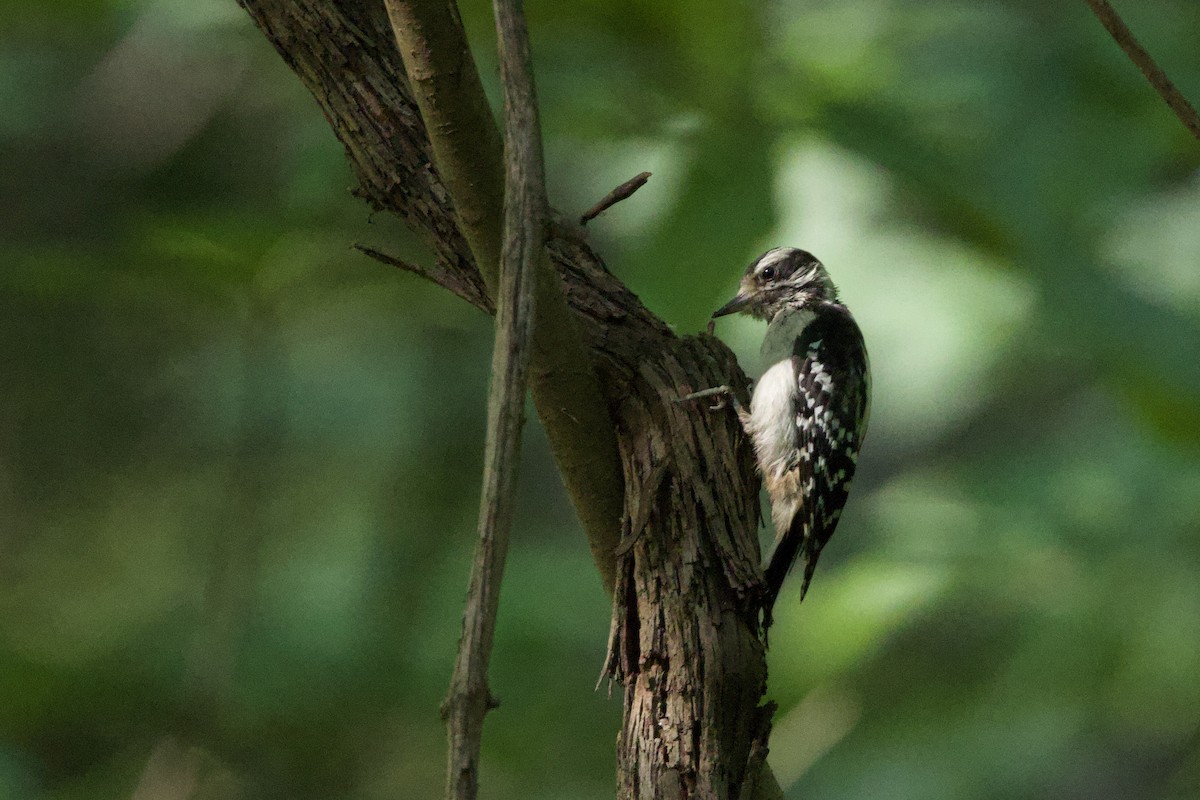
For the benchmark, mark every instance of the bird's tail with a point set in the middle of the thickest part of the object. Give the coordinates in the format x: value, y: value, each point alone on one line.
x: 796, y: 543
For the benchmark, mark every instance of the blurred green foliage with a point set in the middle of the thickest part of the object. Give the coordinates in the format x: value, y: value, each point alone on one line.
x: 239, y: 461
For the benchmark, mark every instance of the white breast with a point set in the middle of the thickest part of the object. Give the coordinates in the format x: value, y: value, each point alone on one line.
x: 772, y: 422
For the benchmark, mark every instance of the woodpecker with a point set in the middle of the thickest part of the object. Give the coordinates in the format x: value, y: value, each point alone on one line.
x: 808, y: 413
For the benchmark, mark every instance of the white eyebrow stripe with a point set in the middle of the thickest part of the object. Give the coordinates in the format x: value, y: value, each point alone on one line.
x: 771, y: 258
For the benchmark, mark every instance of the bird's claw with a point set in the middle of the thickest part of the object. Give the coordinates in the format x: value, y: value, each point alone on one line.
x: 723, y: 392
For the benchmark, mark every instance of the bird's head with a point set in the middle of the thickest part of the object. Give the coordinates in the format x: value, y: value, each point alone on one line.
x: 781, y: 279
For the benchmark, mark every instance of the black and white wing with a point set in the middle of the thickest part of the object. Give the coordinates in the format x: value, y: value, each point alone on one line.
x: 832, y: 407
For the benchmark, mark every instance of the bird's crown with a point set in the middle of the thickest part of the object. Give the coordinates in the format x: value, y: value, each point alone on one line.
x: 785, y: 278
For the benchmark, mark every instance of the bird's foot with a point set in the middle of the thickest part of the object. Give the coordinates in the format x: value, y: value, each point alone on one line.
x: 723, y: 393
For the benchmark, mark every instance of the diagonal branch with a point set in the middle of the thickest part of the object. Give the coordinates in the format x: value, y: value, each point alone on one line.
x: 523, y: 252
x: 467, y: 152
x: 1167, y: 90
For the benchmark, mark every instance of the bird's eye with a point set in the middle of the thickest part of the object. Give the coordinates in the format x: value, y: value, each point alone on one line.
x: 768, y: 274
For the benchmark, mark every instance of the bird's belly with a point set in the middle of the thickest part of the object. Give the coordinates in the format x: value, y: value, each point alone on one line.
x: 773, y: 419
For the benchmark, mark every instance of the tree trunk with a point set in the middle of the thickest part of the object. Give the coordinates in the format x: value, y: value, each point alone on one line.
x: 685, y: 639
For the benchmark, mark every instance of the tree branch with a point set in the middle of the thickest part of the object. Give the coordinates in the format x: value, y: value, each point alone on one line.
x: 686, y: 613
x: 1137, y: 54
x: 523, y: 252
x: 466, y: 149
x: 463, y: 137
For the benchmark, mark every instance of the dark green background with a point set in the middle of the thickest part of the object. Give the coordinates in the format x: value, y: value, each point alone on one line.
x: 202, y: 385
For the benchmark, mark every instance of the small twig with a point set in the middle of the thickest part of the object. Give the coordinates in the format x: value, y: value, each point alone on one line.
x: 472, y: 294
x: 1158, y: 79
x: 615, y: 196
x: 392, y: 261
x: 524, y: 241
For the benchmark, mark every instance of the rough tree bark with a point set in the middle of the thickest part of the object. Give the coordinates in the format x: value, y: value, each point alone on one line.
x: 685, y: 641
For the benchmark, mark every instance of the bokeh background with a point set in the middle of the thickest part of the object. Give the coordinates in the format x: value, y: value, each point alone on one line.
x: 239, y: 462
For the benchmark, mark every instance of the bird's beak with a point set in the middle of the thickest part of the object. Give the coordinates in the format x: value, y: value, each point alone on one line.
x: 739, y: 301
